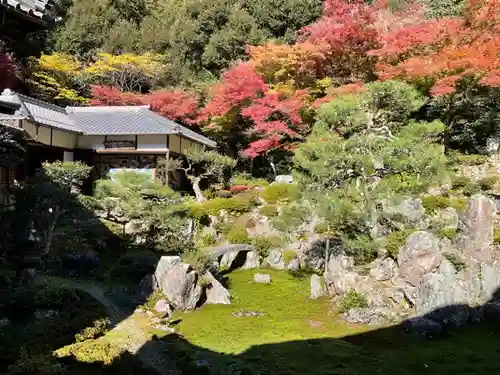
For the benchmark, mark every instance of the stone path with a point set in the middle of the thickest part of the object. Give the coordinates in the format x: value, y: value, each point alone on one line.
x: 130, y: 332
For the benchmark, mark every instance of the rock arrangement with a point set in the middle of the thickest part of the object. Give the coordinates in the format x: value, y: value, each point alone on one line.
x: 423, y: 285
x: 241, y: 314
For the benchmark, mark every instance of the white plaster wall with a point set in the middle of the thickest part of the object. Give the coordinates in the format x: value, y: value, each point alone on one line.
x: 68, y: 156
x: 151, y: 142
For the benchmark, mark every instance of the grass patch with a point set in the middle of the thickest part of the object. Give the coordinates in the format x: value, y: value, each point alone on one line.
x: 395, y: 240
x: 353, y: 300
x: 456, y: 261
x: 434, y: 203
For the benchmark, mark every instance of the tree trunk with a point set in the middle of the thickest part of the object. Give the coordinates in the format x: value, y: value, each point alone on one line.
x: 327, y: 253
x: 50, y: 231
x: 197, y: 191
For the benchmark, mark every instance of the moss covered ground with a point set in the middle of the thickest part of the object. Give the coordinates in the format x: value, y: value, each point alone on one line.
x: 299, y: 336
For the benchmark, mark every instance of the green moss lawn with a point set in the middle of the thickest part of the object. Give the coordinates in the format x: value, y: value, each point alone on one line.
x: 299, y: 336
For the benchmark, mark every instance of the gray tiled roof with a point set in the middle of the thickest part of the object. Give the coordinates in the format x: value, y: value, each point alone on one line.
x: 99, y: 120
x: 35, y: 9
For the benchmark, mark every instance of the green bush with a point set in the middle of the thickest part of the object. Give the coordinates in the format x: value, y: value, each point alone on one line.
x: 456, y: 157
x: 395, y: 240
x: 98, y: 329
x: 432, y: 204
x: 199, y: 259
x: 207, y: 239
x: 456, y: 261
x: 150, y: 303
x: 263, y: 244
x: 238, y: 235
x: 247, y: 180
x: 90, y: 351
x: 353, y: 300
x: 471, y: 189
x: 291, y: 217
x: 289, y: 255
x: 496, y: 236
x: 459, y: 181
x: 321, y: 228
x: 36, y: 363
x: 280, y: 193
x: 234, y: 206
x: 269, y: 210
x: 362, y: 248
x: 450, y: 233
x: 488, y: 183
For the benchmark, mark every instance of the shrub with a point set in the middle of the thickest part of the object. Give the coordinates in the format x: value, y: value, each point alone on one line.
x: 238, y: 235
x: 321, y: 228
x: 269, y: 210
x: 35, y: 363
x: 353, y: 300
x: 471, y: 189
x: 289, y: 255
x: 450, y: 233
x: 234, y: 206
x: 363, y: 248
x: 280, y: 193
x: 496, y: 236
x: 90, y: 351
x: 395, y: 240
x: 263, y: 244
x: 207, y: 239
x: 432, y: 204
x: 98, y: 329
x: 222, y: 194
x: 199, y: 259
x: 248, y: 180
x: 488, y: 183
x: 150, y: 303
x: 456, y: 157
x: 456, y: 261
x: 459, y: 181
x: 291, y: 217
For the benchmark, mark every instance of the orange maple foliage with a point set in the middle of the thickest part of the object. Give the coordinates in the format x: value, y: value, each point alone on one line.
x: 446, y: 50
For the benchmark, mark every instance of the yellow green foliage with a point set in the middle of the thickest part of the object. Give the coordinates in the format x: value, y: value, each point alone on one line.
x: 280, y: 193
x: 432, y: 204
x: 456, y: 261
x: 488, y: 183
x: 149, y: 63
x: 90, y: 351
x: 459, y: 181
x: 450, y: 233
x: 321, y: 228
x: 234, y: 206
x: 248, y: 180
x: 61, y: 63
x: 269, y: 210
x: 263, y: 244
x: 395, y: 240
x: 496, y: 236
x: 471, y: 188
x: 353, y: 300
x: 199, y: 259
x: 238, y: 235
x: 98, y: 329
x: 289, y: 255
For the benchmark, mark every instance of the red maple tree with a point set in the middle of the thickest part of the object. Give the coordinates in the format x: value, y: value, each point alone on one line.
x: 445, y: 51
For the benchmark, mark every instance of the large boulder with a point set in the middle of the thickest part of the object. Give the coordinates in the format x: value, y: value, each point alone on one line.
x: 490, y: 280
x: 367, y: 315
x: 252, y: 260
x: 423, y: 327
x: 163, y: 308
x: 216, y: 293
x: 419, y: 256
x: 340, y: 276
x: 178, y: 284
x: 262, y: 278
x: 275, y: 259
x: 228, y: 258
x: 164, y: 264
x: 316, y: 287
x: 412, y: 210
x: 445, y: 296
x: 476, y: 229
x: 145, y: 288
x: 383, y: 269
x: 293, y: 265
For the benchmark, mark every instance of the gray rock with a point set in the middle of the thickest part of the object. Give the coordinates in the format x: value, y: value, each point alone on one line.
x: 449, y: 218
x: 179, y: 285
x: 216, y: 293
x: 46, y: 314
x: 294, y: 265
x: 424, y: 327
x: 411, y: 209
x: 284, y: 179
x: 165, y: 264
x: 146, y: 287
x: 242, y: 314
x: 228, y: 258
x: 419, y: 256
x: 490, y: 279
x: 476, y: 229
x: 317, y: 289
x: 341, y: 282
x: 4, y: 322
x: 252, y: 260
x: 275, y: 260
x: 133, y: 227
x: 367, y: 315
x: 383, y: 269
x: 164, y: 328
x: 445, y: 296
x: 163, y: 307
x: 339, y: 262
x: 220, y: 250
x: 262, y: 278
